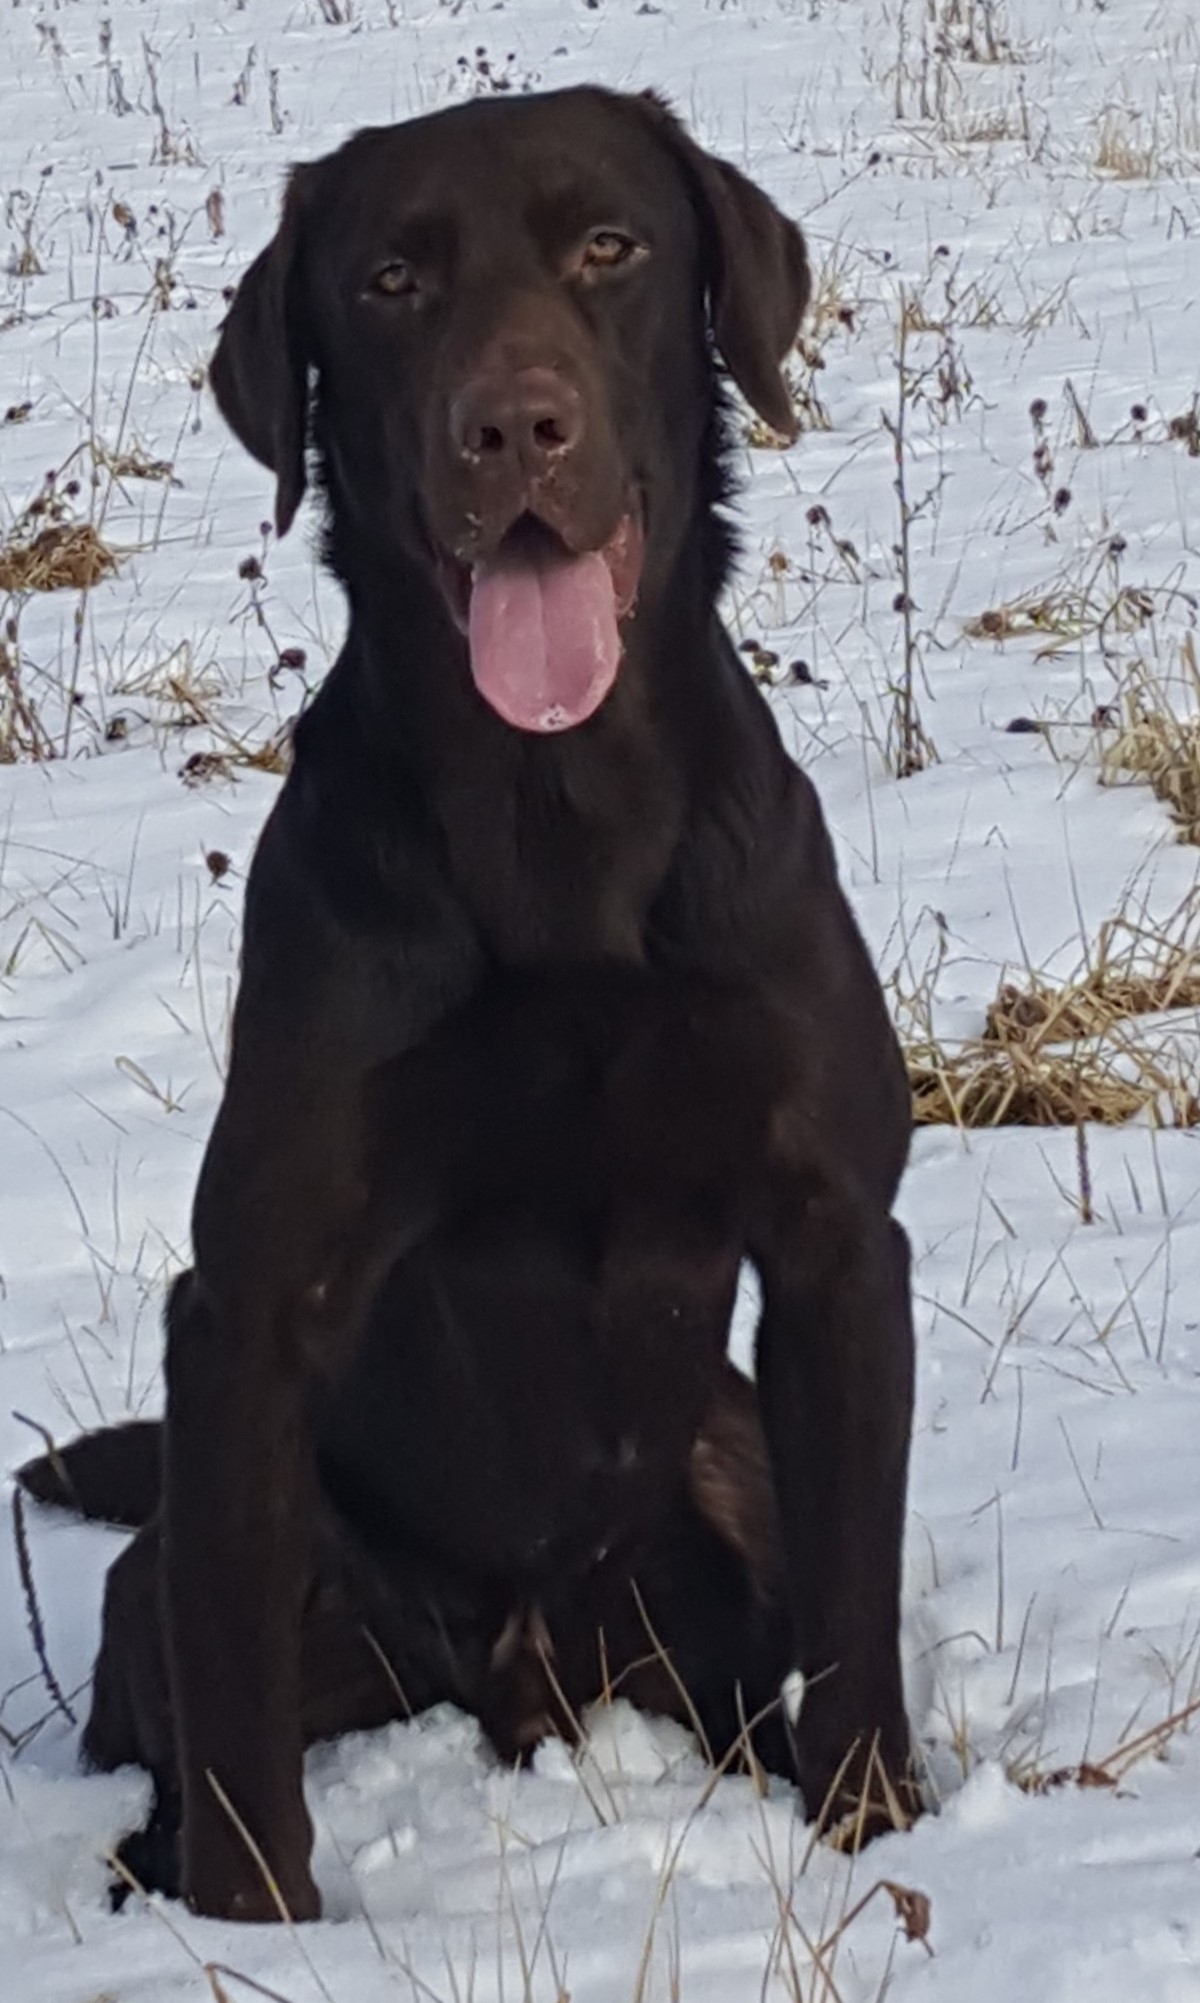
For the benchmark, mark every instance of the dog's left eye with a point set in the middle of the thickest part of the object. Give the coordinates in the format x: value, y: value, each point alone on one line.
x: 394, y: 279
x: 606, y: 248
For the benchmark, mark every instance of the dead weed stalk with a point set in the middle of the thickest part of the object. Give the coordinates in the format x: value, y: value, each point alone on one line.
x: 910, y: 749
x: 22, y: 733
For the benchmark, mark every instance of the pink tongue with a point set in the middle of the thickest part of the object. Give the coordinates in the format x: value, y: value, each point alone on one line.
x: 544, y: 642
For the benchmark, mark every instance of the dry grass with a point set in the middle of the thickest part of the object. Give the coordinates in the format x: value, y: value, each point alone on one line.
x: 1001, y: 125
x: 46, y: 548
x: 975, y: 31
x: 977, y: 305
x: 1137, y: 968
x: 273, y: 754
x: 1124, y: 149
x: 185, y: 691
x: 1064, y: 614
x: 176, y: 691
x: 1062, y: 1053
x: 833, y: 307
x: 134, y: 464
x: 1110, y: 1770
x: 1150, y: 732
x: 1157, y: 740
x: 975, y: 1084
x: 65, y: 556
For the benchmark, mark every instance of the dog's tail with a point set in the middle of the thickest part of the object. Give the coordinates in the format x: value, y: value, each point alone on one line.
x: 111, y: 1476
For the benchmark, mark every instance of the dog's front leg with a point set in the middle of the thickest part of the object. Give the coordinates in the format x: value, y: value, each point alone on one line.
x: 237, y: 1517
x: 246, y: 1343
x: 295, y: 1224
x: 835, y: 1379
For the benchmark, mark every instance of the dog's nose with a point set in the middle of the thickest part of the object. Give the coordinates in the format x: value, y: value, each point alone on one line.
x: 526, y: 419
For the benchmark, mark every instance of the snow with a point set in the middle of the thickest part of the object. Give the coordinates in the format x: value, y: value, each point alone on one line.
x: 1046, y: 206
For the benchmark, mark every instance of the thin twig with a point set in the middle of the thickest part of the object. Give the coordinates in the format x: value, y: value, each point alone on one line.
x: 33, y: 1611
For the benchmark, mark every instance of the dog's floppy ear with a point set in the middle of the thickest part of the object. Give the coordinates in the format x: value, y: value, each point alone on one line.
x: 758, y: 273
x: 259, y: 372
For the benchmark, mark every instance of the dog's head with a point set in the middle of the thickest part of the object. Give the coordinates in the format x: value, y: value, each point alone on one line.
x: 505, y: 313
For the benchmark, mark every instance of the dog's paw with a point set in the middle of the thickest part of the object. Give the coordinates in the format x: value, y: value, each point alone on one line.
x: 147, y: 1861
x: 856, y: 1786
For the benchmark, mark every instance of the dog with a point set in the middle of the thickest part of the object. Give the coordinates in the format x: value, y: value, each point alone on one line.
x: 552, y: 1013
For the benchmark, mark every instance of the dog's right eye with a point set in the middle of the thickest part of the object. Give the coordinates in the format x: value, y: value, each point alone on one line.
x: 394, y: 279
x: 605, y: 249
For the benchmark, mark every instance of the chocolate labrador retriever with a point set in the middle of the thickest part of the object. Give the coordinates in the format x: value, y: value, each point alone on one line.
x: 552, y: 1013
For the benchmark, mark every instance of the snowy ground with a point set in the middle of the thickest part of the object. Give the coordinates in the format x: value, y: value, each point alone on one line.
x: 1032, y: 182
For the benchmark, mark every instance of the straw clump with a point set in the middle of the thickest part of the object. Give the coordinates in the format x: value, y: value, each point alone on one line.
x: 66, y: 556
x: 1055, y: 1054
x: 48, y: 549
x: 977, y: 1085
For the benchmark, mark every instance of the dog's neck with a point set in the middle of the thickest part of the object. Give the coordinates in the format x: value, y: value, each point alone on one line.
x: 558, y: 844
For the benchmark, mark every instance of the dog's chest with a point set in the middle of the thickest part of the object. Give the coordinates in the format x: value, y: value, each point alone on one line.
x: 486, y: 1416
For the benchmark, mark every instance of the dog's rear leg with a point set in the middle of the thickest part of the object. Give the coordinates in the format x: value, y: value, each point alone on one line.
x: 835, y: 1380
x: 130, y: 1721
x: 369, y: 1647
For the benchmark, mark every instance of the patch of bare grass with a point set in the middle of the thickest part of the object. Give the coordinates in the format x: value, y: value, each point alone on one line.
x: 977, y: 1084
x: 1063, y: 1053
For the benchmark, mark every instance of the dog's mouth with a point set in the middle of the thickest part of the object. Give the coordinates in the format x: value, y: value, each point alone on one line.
x: 543, y: 621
